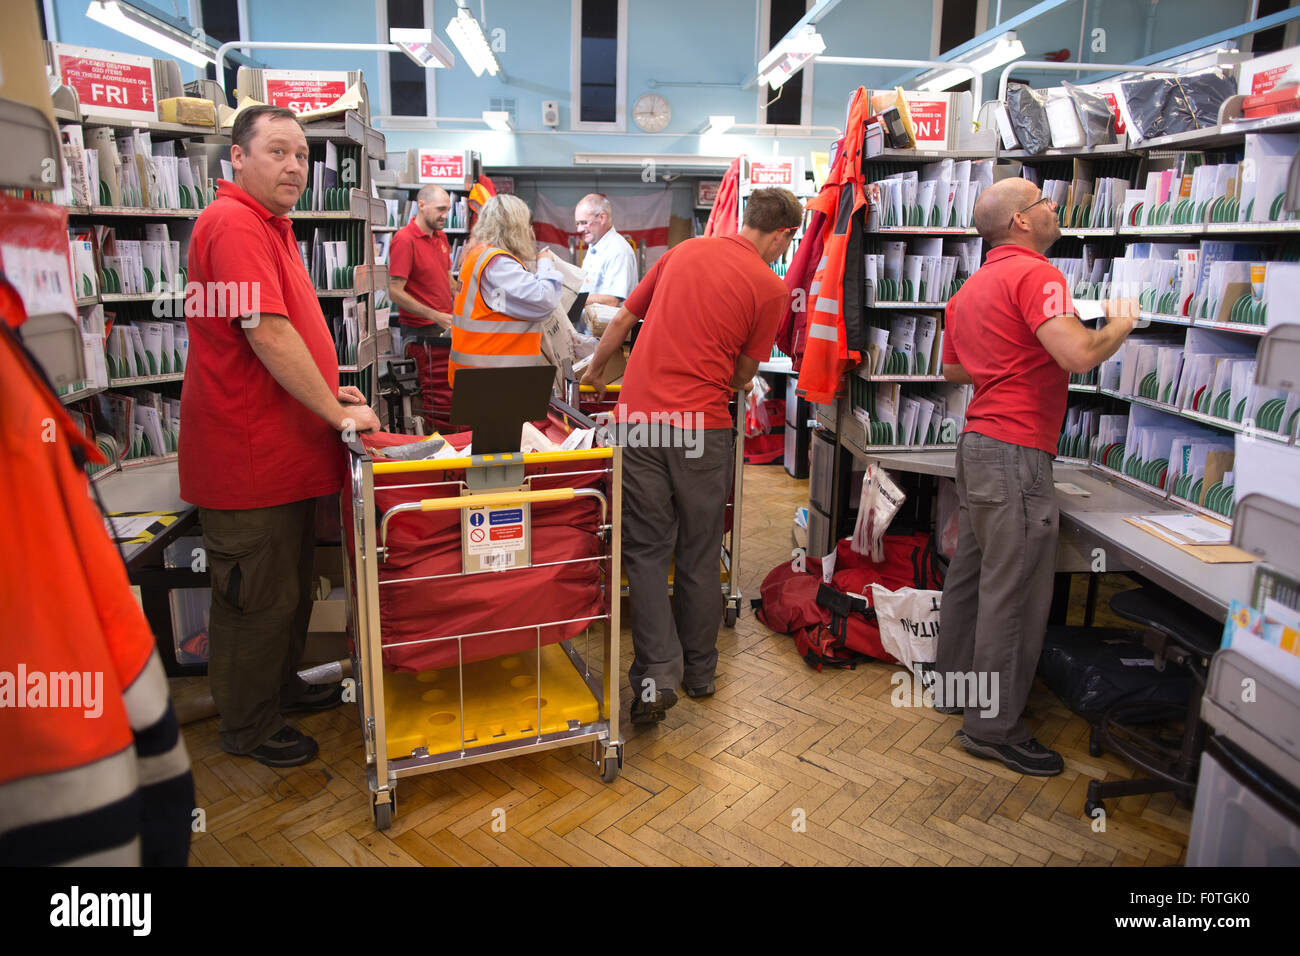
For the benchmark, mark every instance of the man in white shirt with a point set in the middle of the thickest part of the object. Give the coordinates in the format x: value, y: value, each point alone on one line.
x: 610, y: 265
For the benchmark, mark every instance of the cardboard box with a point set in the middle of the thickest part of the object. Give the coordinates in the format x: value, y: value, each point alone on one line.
x: 188, y: 110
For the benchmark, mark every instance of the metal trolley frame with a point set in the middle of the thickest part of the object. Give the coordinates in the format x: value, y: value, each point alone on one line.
x: 580, y: 397
x: 490, y: 481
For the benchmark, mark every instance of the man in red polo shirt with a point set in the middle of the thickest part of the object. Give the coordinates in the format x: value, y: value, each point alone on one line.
x: 1013, y: 332
x: 260, y: 411
x: 419, y: 283
x: 711, y: 308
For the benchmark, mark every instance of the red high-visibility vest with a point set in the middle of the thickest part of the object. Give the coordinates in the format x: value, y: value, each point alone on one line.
x: 835, y: 299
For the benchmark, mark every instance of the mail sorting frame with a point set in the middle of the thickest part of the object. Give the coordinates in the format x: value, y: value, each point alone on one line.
x: 361, y: 571
x: 580, y: 398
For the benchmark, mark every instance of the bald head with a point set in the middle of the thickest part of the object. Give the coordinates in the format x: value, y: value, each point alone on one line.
x: 434, y: 204
x: 594, y: 216
x: 997, y: 215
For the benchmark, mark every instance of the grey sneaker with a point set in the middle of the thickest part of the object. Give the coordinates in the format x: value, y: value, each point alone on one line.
x: 950, y: 711
x: 704, y: 690
x: 1028, y: 757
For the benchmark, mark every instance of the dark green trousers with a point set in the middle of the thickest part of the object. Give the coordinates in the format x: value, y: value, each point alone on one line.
x: 260, y: 562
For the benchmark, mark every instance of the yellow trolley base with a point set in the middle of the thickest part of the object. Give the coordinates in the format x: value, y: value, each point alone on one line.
x: 501, y: 703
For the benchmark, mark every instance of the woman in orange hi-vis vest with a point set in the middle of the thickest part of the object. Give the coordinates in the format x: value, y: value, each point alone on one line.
x: 499, y: 310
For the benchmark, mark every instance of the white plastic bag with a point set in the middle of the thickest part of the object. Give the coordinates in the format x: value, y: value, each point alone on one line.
x: 909, y: 623
x: 881, y: 499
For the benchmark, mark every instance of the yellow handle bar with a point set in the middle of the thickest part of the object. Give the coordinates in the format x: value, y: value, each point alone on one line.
x: 497, y: 499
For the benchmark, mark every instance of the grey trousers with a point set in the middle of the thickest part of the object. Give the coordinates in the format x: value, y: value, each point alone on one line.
x: 674, y: 508
x: 260, y: 562
x: 998, y: 591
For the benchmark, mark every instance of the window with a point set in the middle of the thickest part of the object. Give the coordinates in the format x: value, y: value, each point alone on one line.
x: 1270, y: 41
x: 598, y: 75
x: 955, y: 22
x: 222, y: 21
x: 405, y: 90
x: 791, y: 105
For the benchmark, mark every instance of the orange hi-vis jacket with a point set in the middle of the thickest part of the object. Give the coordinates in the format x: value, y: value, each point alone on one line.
x: 836, y: 297
x: 92, y: 766
x: 482, y: 337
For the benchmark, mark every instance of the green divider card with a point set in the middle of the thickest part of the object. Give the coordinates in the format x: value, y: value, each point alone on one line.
x: 1275, y: 210
x: 1239, y: 412
x: 1222, y: 403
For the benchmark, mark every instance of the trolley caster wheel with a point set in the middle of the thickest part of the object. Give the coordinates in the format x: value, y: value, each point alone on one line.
x: 1094, y: 746
x: 609, y: 770
x: 1091, y: 807
x: 730, y: 617
x: 383, y: 816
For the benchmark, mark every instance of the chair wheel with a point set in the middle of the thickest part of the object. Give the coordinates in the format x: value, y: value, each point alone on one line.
x: 1094, y: 749
x: 1091, y: 807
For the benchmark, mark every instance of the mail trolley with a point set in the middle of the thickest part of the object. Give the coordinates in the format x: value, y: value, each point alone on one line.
x: 475, y: 587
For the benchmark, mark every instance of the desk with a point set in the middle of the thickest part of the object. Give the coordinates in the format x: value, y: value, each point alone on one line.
x: 156, y: 487
x: 1097, y: 521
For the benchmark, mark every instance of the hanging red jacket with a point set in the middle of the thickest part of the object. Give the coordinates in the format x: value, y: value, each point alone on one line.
x: 723, y: 218
x: 836, y: 324
x: 792, y: 333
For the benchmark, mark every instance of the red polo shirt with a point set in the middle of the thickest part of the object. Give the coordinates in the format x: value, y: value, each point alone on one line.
x: 990, y: 329
x: 705, y: 303
x: 424, y: 261
x: 245, y: 442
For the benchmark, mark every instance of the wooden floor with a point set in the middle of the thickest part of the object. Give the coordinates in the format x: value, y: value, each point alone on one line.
x: 783, y: 765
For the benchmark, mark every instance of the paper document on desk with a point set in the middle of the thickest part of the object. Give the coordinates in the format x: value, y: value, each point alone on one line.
x: 1191, y: 528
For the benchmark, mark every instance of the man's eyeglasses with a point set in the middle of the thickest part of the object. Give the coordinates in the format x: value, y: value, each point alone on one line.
x: 1041, y: 199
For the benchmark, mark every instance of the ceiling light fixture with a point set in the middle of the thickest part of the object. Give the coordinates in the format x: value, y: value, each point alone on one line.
x: 789, y: 56
x: 467, y: 34
x: 718, y: 124
x: 997, y: 52
x: 422, y: 47
x: 498, y: 119
x: 155, y: 28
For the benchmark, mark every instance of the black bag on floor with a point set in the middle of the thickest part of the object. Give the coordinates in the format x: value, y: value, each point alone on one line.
x: 1091, y: 668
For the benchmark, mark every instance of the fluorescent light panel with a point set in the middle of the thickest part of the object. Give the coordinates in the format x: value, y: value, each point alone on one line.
x: 422, y: 47
x: 989, y: 56
x: 468, y: 36
x: 789, y: 56
x: 718, y: 124
x: 498, y: 119
x: 142, y: 26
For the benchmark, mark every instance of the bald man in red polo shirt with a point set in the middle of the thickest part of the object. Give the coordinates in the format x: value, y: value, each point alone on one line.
x: 711, y: 308
x: 1011, y: 330
x: 419, y: 283
x: 261, y: 410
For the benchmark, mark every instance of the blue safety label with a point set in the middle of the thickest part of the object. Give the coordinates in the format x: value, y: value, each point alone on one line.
x: 506, y: 516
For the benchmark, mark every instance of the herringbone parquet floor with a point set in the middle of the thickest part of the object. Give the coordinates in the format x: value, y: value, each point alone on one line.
x: 783, y: 765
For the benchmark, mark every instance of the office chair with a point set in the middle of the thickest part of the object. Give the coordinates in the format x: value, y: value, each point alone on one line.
x: 1136, y: 730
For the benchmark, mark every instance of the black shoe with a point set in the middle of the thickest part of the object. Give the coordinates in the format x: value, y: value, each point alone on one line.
x: 695, y: 693
x: 651, y: 712
x: 289, y: 747
x: 950, y: 711
x: 315, y: 697
x: 1028, y: 757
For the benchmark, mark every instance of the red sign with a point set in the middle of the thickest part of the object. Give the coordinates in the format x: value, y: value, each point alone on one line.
x: 778, y: 173
x: 508, y: 533
x: 109, y: 84
x: 303, y: 95
x: 441, y: 166
x: 706, y: 192
x: 1265, y: 80
x: 930, y: 120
